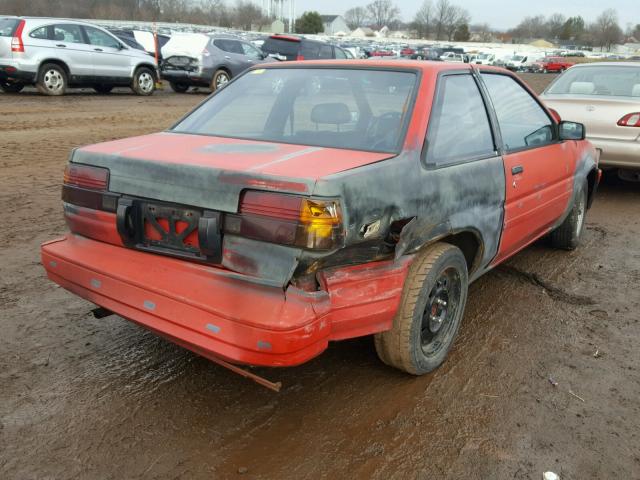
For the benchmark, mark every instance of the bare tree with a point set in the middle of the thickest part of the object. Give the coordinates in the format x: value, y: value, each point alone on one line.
x: 606, y: 30
x: 355, y: 17
x: 482, y: 31
x: 443, y: 17
x: 423, y: 21
x: 555, y: 25
x: 382, y: 12
x: 247, y: 14
x: 458, y: 18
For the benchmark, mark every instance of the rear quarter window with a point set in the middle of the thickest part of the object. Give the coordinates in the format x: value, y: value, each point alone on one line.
x: 459, y: 128
x: 8, y: 26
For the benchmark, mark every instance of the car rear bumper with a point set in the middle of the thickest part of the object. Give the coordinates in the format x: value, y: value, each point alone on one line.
x: 189, y: 78
x: 617, y: 153
x: 13, y: 73
x: 201, y: 308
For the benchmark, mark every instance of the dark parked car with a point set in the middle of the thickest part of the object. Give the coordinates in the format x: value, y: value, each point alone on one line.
x: 290, y: 47
x: 212, y: 64
x: 355, y: 200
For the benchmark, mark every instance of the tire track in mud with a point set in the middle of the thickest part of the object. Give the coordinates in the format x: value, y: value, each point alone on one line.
x: 554, y: 291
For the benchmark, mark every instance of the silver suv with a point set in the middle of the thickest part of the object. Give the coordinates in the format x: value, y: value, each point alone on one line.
x: 54, y: 53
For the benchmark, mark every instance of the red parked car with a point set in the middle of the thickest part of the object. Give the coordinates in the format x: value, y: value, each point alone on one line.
x: 310, y: 202
x: 554, y: 64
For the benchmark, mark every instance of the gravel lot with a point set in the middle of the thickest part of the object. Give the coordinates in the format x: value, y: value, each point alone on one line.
x: 87, y: 398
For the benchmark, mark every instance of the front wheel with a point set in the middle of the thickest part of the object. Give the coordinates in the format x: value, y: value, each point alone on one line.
x: 144, y: 82
x: 430, y: 312
x: 11, y: 87
x: 219, y: 80
x: 567, y: 235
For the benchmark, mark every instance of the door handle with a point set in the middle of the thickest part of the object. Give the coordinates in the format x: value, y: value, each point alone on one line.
x: 61, y: 45
x: 227, y: 57
x: 98, y: 50
x: 517, y: 169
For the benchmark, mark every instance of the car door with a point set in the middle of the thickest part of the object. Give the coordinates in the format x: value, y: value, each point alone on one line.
x: 66, y: 41
x: 234, y: 57
x: 537, y: 167
x: 251, y: 54
x: 111, y: 59
x: 464, y: 179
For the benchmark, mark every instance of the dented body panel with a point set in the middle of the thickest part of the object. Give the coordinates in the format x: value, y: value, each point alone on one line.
x: 280, y: 303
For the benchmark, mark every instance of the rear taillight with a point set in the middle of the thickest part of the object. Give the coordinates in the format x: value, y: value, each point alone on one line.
x: 288, y: 220
x: 630, y: 120
x: 206, y: 53
x: 85, y: 176
x: 16, y: 41
x: 300, y: 57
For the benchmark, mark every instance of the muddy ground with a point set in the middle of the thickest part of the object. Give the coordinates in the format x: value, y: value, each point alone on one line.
x: 87, y: 398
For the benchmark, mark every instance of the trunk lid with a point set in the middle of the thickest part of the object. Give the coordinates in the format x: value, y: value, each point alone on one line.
x: 599, y: 115
x: 211, y: 172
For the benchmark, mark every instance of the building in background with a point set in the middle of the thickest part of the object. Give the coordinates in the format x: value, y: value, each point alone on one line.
x: 334, y: 24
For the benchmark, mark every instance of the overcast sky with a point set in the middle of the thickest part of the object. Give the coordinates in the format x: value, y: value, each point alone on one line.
x: 498, y: 13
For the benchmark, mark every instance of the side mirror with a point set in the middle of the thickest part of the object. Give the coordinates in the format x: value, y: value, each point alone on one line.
x: 571, y: 131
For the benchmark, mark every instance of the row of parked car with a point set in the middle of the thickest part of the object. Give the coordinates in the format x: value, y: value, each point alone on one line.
x: 55, y: 54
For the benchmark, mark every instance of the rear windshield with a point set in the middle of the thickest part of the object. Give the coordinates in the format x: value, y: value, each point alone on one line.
x: 7, y: 26
x: 599, y: 80
x: 287, y: 48
x: 362, y: 109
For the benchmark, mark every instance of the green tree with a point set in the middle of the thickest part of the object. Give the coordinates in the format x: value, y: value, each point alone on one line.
x: 573, y: 29
x: 462, y: 33
x: 309, y: 22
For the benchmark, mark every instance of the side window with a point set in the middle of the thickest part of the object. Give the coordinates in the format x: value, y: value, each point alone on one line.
x: 309, y: 50
x: 459, y: 127
x: 100, y: 38
x: 221, y: 44
x: 231, y: 46
x: 251, y: 51
x: 523, y: 122
x: 340, y: 53
x: 68, y: 33
x: 326, y: 51
x: 41, y: 33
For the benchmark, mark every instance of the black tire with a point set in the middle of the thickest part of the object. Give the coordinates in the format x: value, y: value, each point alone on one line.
x: 179, y: 87
x: 52, y: 80
x: 567, y: 236
x: 220, y: 79
x: 11, y: 87
x: 103, y: 88
x: 144, y: 82
x: 430, y: 311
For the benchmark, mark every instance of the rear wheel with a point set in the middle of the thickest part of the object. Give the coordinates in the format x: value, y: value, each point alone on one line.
x: 179, y: 87
x: 11, y: 87
x: 567, y: 236
x: 103, y: 88
x: 430, y: 313
x: 144, y: 82
x: 52, y: 80
x: 219, y: 80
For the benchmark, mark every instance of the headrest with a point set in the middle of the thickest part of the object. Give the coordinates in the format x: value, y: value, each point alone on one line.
x: 635, y: 91
x: 582, y: 88
x: 332, y: 113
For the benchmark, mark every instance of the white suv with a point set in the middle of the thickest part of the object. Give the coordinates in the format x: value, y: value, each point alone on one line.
x: 54, y: 54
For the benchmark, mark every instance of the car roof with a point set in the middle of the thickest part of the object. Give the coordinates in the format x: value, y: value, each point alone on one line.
x: 607, y: 64
x: 47, y: 20
x: 373, y: 64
